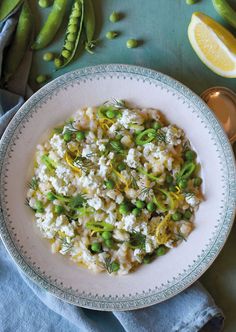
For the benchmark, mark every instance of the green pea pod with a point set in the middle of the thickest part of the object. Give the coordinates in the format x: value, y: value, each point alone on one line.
x: 226, y: 11
x: 186, y: 171
x: 70, y: 46
x: 145, y: 136
x: 51, y: 26
x: 89, y: 25
x: 20, y: 42
x: 7, y: 7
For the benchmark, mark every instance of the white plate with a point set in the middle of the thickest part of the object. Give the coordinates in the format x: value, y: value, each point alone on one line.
x: 167, y: 275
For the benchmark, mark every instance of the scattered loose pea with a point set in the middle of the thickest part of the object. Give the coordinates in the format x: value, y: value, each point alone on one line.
x: 114, y: 17
x: 109, y: 243
x: 106, y: 235
x: 110, y: 114
x: 58, y: 209
x: 140, y: 204
x: 131, y: 43
x: 111, y: 34
x: 187, y: 215
x: 161, y: 251
x: 147, y: 259
x: 48, y: 56
x: 51, y: 196
x: 115, y: 266
x: 67, y: 137
x: 151, y: 207
x: 40, y: 79
x: 96, y: 247
x: 156, y: 125
x: 80, y: 136
x: 177, y: 216
x: 136, y: 212
x: 110, y: 184
x: 44, y: 3
x: 124, y: 208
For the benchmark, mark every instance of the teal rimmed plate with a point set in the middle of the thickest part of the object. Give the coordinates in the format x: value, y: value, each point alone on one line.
x: 167, y: 275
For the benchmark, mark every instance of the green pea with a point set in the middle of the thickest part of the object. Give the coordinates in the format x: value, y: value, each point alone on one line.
x: 48, y: 56
x: 109, y: 243
x: 172, y: 188
x: 187, y: 215
x: 190, y: 155
x: 114, y: 17
x: 197, y: 181
x: 40, y: 79
x: 106, y: 235
x: 121, y: 167
x: 66, y: 54
x: 73, y: 28
x: 58, y: 209
x: 111, y: 34
x: 110, y: 184
x: 131, y: 43
x: 151, y: 206
x: 58, y: 62
x: 124, y: 208
x: 140, y: 204
x: 80, y: 135
x: 73, y: 20
x: 39, y: 206
x: 147, y: 259
x: 110, y: 114
x: 136, y: 212
x: 69, y: 46
x: 50, y: 196
x: 183, y: 183
x: 191, y: 2
x: 71, y: 37
x: 177, y: 216
x: 96, y: 247
x: 67, y: 137
x: 162, y: 250
x: 76, y: 12
x: 157, y: 125
x: 44, y: 3
x: 169, y: 179
x: 115, y: 266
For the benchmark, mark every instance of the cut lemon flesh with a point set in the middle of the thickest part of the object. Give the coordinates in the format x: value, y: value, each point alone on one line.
x: 214, y: 45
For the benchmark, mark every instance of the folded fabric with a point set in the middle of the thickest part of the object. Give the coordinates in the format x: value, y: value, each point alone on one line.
x: 26, y: 307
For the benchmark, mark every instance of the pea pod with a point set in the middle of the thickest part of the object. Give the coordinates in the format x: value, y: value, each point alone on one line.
x: 20, y: 42
x: 226, y: 11
x: 51, y: 26
x: 7, y: 7
x: 145, y: 136
x: 89, y: 25
x: 72, y: 36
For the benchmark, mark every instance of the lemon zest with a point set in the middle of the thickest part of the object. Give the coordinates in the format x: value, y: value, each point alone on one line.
x: 122, y: 178
x: 69, y: 161
x: 163, y: 233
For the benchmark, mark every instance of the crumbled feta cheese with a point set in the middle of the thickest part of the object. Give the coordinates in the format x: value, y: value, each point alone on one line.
x: 192, y: 200
x: 132, y: 158
x: 95, y: 202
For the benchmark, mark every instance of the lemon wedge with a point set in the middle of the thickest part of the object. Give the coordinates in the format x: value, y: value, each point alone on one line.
x: 214, y: 44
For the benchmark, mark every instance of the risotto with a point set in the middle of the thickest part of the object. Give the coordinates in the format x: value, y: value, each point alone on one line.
x: 115, y: 187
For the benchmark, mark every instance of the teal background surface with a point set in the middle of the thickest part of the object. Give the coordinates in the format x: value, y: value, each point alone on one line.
x: 161, y: 28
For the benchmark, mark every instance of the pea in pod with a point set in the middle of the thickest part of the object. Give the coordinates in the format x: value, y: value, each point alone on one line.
x: 20, y: 42
x: 226, y: 11
x: 73, y: 35
x: 51, y: 26
x: 7, y: 7
x: 89, y: 25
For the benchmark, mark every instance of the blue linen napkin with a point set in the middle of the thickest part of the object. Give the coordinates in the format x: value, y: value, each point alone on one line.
x: 26, y: 307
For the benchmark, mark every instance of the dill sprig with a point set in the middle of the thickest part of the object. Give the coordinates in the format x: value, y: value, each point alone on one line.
x: 28, y: 204
x: 180, y: 236
x: 117, y: 103
x: 69, y: 128
x: 160, y: 136
x: 133, y: 181
x: 33, y: 184
x: 145, y: 192
x: 110, y: 266
x: 137, y: 240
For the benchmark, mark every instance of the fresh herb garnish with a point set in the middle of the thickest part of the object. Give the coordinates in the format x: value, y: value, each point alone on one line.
x: 83, y: 163
x: 137, y: 240
x: 69, y: 128
x: 65, y: 243
x: 111, y: 266
x: 33, y: 184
